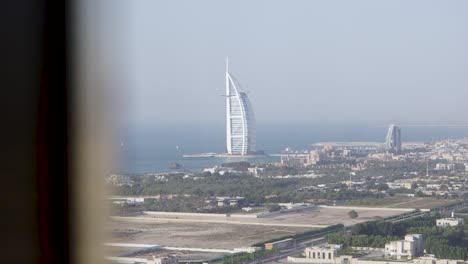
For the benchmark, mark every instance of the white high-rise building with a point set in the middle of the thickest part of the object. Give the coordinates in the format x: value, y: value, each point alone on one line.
x: 240, y: 119
x: 393, y: 140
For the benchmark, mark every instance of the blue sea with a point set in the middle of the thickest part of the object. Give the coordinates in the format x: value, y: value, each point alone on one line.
x: 153, y: 148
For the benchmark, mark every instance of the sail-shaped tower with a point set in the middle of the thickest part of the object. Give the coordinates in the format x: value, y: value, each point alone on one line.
x: 240, y: 119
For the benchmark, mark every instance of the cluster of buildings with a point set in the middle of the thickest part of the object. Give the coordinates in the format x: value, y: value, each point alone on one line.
x: 119, y: 180
x: 450, y: 186
x: 228, y: 201
x: 221, y: 170
x: 346, y: 151
x: 327, y: 155
x: 440, y: 186
x: 329, y: 254
x: 451, y: 150
x: 409, y: 250
x: 440, y: 156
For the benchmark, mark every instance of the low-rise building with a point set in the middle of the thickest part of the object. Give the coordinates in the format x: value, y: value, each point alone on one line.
x: 126, y: 200
x: 451, y: 221
x: 294, y: 159
x: 330, y: 254
x: 347, y: 259
x: 410, y: 247
x: 256, y: 171
x: 322, y: 254
x: 119, y: 180
x: 231, y: 201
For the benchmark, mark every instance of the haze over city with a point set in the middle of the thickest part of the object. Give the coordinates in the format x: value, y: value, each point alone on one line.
x: 291, y: 132
x: 236, y: 132
x: 360, y: 61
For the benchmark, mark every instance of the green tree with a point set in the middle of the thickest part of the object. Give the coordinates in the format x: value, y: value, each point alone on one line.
x: 353, y: 214
x: 273, y: 207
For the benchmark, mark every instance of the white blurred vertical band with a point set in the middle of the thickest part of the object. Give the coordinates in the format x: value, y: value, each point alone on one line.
x: 98, y: 79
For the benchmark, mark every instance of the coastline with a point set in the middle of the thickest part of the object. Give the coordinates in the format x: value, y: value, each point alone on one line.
x: 223, y: 155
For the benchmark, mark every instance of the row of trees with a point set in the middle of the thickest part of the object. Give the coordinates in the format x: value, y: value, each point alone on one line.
x: 255, y: 190
x: 246, y: 257
x: 442, y: 248
x: 360, y: 240
x: 443, y: 242
x: 379, y: 228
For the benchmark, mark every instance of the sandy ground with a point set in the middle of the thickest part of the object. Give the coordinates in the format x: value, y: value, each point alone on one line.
x: 422, y: 203
x: 184, y: 255
x: 407, y: 202
x: 315, y: 218
x: 222, y: 233
x: 200, y: 235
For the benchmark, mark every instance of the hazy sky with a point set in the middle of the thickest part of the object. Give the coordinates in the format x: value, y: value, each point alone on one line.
x: 302, y: 61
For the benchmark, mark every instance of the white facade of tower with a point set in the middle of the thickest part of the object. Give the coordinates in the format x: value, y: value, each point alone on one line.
x: 240, y: 119
x: 393, y: 140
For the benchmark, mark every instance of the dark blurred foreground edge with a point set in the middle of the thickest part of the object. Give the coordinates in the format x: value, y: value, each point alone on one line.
x: 35, y: 132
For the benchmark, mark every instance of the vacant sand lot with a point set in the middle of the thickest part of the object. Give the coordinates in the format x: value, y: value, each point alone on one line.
x: 228, y: 233
x: 422, y: 203
x: 195, y: 235
x: 314, y: 218
x: 402, y: 202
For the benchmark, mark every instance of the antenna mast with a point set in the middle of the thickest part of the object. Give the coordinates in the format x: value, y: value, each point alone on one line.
x: 227, y: 64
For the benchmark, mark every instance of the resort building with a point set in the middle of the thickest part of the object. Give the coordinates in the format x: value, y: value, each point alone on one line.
x: 240, y: 119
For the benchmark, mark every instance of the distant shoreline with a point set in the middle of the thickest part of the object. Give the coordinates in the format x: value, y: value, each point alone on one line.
x: 359, y: 144
x: 223, y: 155
x: 318, y: 144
